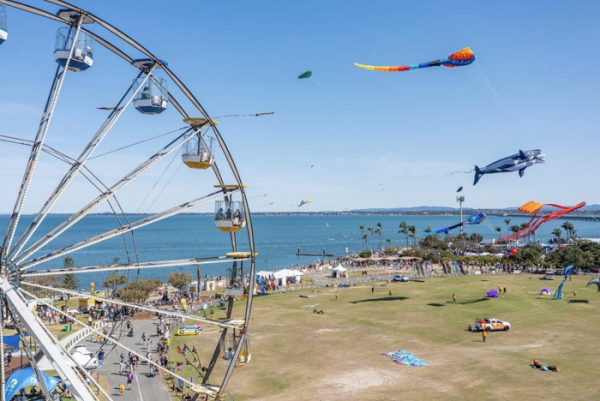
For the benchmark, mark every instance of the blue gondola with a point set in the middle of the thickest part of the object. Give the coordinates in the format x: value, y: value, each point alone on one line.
x: 83, y: 56
x: 3, y: 27
x: 152, y: 98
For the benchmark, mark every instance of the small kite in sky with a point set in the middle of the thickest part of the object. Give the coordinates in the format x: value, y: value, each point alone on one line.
x: 475, y: 218
x: 109, y: 108
x: 462, y: 57
x: 303, y: 202
x: 306, y: 74
x: 459, y: 189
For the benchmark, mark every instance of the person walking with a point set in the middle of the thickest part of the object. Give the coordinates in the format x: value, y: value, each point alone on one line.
x: 122, y: 389
x: 144, y: 336
x: 390, y: 292
x: 504, y: 289
x: 373, y: 289
x: 121, y: 367
x: 483, y: 334
x: 129, y: 380
x: 454, y: 298
x: 499, y: 290
x: 336, y: 295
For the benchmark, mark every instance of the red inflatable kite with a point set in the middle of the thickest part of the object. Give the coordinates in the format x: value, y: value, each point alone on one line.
x: 533, y: 207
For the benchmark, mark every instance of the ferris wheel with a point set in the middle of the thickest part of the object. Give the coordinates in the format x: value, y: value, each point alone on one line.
x: 29, y: 247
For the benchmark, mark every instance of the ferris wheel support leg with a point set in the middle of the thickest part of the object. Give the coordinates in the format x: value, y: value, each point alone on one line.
x: 50, y: 350
x: 31, y: 357
x: 87, y: 152
x: 2, y: 373
x: 216, y: 355
x: 231, y: 365
x: 59, y: 79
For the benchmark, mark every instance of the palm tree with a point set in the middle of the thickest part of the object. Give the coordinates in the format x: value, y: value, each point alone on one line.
x: 568, y: 227
x: 389, y: 241
x: 362, y: 229
x: 499, y: 231
x: 413, y: 232
x: 507, y: 222
x: 557, y: 232
x: 378, y: 231
x: 365, y: 239
x: 370, y: 229
x: 404, y: 230
x: 428, y: 229
x: 515, y: 229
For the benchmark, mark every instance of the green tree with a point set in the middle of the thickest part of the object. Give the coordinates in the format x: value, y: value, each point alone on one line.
x: 515, y: 229
x: 362, y: 229
x: 379, y: 228
x: 180, y: 280
x: 138, y: 291
x: 571, y: 255
x: 428, y: 229
x: 370, y: 229
x: 507, y: 222
x: 365, y: 241
x: 499, y: 231
x: 389, y: 242
x: 476, y: 238
x: 530, y: 254
x: 114, y: 281
x: 413, y: 233
x: 70, y: 281
x: 378, y: 231
x: 568, y: 227
x: 404, y: 230
x: 557, y: 233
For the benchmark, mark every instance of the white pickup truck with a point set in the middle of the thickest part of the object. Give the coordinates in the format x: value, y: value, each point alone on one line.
x: 490, y: 324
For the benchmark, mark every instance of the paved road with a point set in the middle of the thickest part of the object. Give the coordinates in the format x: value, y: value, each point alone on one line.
x: 144, y: 388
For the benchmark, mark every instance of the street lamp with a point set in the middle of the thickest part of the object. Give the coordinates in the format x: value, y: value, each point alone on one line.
x: 460, y: 200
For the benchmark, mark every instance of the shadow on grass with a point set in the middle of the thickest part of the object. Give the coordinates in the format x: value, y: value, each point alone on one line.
x: 485, y: 280
x: 380, y: 299
x: 418, y: 281
x: 579, y: 301
x: 436, y: 305
x: 469, y: 301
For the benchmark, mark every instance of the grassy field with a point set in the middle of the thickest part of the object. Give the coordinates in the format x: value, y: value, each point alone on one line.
x: 298, y: 355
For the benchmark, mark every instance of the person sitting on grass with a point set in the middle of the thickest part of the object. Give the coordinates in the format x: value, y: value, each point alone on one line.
x: 536, y: 364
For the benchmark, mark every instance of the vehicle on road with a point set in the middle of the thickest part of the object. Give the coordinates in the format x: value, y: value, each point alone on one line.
x: 400, y: 279
x: 491, y: 324
x: 549, y: 276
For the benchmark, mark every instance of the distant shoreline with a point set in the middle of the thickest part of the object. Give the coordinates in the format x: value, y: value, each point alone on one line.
x: 433, y: 213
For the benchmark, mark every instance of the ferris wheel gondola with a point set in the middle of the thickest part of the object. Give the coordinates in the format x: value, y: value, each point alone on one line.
x: 25, y: 255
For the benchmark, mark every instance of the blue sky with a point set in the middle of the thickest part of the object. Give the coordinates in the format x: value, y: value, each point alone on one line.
x: 375, y: 139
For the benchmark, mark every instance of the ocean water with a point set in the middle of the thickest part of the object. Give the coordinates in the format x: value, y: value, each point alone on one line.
x: 277, y: 238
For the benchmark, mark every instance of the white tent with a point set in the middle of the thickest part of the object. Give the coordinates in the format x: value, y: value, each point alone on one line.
x: 285, y: 274
x: 339, y: 268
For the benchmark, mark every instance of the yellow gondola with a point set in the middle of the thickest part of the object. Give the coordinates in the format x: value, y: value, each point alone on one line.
x: 229, y: 215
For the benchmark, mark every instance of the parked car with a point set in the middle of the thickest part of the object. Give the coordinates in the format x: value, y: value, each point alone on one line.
x: 400, y: 279
x: 72, y: 311
x: 491, y: 324
x: 549, y: 276
x: 188, y: 331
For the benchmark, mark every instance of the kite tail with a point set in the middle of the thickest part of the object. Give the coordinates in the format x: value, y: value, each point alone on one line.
x: 464, y: 172
x: 478, y: 175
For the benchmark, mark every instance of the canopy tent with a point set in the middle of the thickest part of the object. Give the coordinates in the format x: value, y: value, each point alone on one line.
x: 25, y: 378
x: 339, y: 268
x: 13, y: 341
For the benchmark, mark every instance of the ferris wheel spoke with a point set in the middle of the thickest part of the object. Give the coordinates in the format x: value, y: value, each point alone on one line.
x: 89, y: 149
x: 2, y: 367
x: 26, y: 317
x: 124, y: 229
x: 30, y: 356
x: 133, y: 266
x: 230, y: 323
x: 107, y: 338
x: 59, y: 79
x: 140, y: 170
